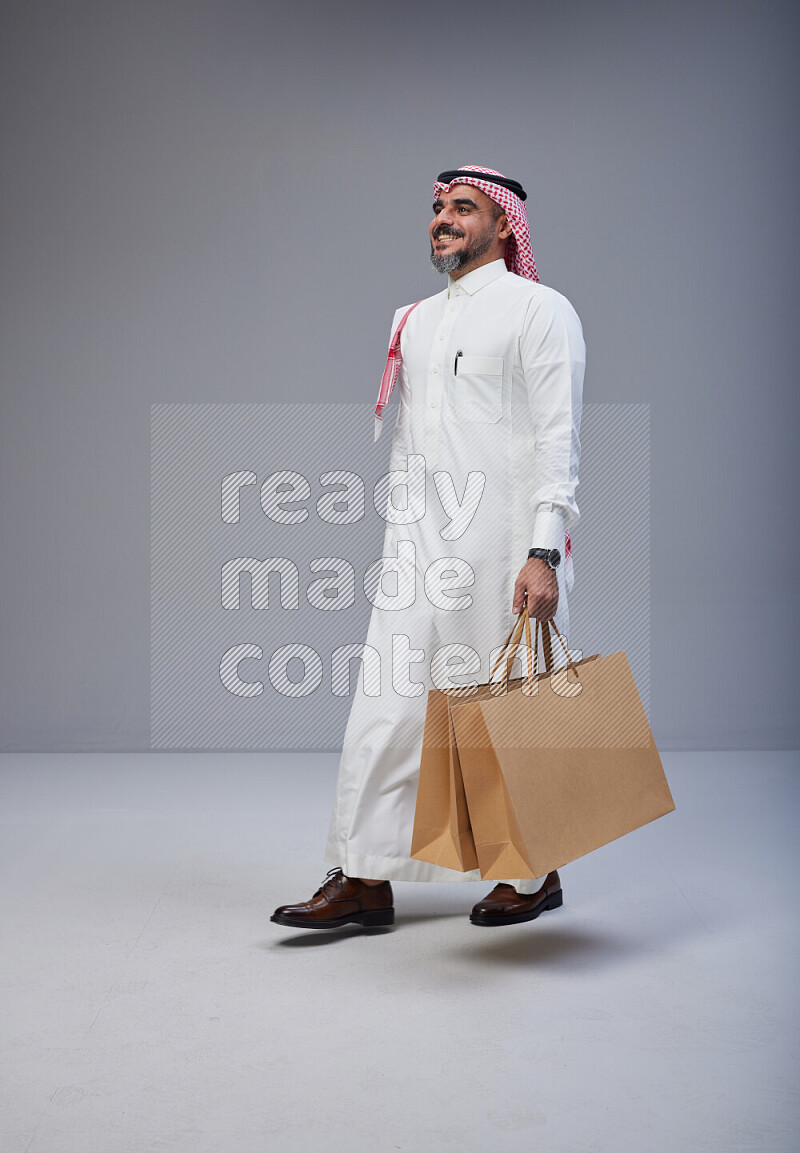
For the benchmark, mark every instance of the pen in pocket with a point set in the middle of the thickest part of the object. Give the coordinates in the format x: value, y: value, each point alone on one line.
x: 455, y: 363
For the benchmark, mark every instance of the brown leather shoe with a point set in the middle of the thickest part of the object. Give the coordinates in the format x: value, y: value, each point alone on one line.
x: 505, y: 906
x: 340, y: 900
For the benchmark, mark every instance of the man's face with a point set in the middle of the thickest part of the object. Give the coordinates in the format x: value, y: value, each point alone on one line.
x: 465, y: 231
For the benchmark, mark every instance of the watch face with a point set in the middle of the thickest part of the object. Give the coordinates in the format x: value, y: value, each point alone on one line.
x: 555, y: 557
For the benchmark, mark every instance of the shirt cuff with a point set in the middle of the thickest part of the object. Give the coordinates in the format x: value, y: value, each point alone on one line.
x: 548, y: 529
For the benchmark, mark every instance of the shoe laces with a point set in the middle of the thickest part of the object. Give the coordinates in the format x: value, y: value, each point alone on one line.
x: 330, y: 876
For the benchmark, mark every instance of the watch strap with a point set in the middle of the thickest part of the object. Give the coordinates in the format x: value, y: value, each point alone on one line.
x: 550, y: 555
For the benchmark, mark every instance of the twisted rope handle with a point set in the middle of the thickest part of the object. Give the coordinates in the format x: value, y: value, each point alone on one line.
x: 513, y: 637
x: 512, y: 642
x: 548, y: 652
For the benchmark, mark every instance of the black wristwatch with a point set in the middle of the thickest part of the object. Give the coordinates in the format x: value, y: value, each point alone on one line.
x: 551, y: 555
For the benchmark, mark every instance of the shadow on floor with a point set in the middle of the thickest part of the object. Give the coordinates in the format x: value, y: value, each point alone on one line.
x: 538, y: 943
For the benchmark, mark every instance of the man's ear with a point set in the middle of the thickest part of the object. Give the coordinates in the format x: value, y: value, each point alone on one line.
x: 503, y: 228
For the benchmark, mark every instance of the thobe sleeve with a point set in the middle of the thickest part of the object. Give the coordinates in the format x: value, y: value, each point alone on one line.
x: 553, y: 356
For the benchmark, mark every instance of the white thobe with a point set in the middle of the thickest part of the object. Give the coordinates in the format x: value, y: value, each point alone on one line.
x: 490, y: 394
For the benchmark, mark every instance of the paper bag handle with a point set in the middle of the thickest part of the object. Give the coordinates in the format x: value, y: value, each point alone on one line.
x: 511, y: 645
x: 518, y: 624
x: 509, y: 650
x: 548, y: 651
x: 513, y: 638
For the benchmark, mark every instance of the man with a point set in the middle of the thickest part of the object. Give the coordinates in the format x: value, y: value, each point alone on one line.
x: 490, y: 374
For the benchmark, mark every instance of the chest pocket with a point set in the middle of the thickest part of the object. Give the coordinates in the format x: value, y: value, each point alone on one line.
x: 476, y: 390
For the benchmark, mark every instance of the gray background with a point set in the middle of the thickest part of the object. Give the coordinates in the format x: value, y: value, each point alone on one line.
x: 193, y: 446
x: 225, y: 202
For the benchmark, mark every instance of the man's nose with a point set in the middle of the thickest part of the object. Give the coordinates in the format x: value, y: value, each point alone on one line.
x: 445, y: 220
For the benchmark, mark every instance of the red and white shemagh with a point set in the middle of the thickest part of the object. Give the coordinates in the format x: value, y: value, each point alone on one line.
x: 519, y: 250
x: 391, y: 372
x: 519, y: 260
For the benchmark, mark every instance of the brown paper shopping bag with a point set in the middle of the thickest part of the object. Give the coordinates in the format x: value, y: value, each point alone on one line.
x: 442, y: 833
x: 555, y: 765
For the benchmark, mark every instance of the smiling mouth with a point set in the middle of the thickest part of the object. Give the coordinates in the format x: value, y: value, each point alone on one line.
x: 443, y: 236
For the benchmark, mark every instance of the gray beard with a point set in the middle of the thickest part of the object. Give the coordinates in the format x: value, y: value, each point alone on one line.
x: 452, y: 261
x: 448, y: 263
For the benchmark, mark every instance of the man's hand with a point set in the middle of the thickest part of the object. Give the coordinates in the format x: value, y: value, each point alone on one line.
x: 539, y: 582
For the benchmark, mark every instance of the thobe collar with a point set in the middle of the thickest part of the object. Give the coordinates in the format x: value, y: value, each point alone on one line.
x: 474, y: 281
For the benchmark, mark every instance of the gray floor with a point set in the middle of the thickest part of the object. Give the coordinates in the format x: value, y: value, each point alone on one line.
x: 149, y: 1005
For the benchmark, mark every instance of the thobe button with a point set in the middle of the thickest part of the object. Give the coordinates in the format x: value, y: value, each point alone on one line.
x: 431, y: 404
x: 436, y: 368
